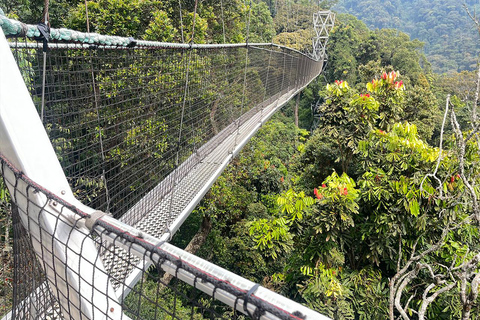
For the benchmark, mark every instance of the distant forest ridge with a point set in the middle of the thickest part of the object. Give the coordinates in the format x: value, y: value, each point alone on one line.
x: 451, y: 39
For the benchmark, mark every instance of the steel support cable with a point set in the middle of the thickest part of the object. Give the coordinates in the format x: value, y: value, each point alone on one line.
x: 81, y: 40
x: 86, y: 17
x: 100, y: 134
x: 181, y: 20
x: 266, y: 84
x: 185, y: 94
x: 223, y: 22
x: 46, y: 22
x: 188, y: 90
x: 295, y: 20
x: 244, y: 74
x: 97, y: 111
x: 194, y: 20
x: 283, y: 73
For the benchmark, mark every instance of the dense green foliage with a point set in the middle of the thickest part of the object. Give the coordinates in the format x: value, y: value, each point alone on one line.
x: 358, y: 201
x: 329, y: 217
x: 451, y: 40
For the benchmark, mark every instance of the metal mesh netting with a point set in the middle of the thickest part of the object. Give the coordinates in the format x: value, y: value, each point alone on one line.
x: 141, y: 132
x: 123, y: 120
x: 151, y: 298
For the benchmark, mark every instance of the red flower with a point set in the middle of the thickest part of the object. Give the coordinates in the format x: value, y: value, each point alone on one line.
x: 458, y: 176
x: 317, y: 194
x: 452, y: 179
x: 324, y: 186
x: 398, y: 84
x: 381, y: 131
x: 384, y: 76
x: 392, y: 76
x: 337, y: 82
x: 363, y: 96
x: 281, y: 179
x: 345, y: 191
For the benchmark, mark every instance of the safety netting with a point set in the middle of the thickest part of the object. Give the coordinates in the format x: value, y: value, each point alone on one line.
x: 141, y: 130
x: 47, y: 292
x: 122, y: 120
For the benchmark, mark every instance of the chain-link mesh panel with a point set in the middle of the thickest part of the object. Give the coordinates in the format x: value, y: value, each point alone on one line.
x: 73, y: 292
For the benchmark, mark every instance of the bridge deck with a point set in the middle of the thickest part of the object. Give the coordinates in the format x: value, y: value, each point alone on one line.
x: 168, y: 214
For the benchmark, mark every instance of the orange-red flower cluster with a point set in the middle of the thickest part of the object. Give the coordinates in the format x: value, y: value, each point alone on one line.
x: 317, y: 194
x: 454, y: 177
x: 390, y: 78
x: 338, y: 82
x: 364, y: 96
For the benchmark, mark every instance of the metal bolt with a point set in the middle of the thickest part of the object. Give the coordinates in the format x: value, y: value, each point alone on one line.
x: 112, y: 309
x: 63, y: 192
x: 54, y: 203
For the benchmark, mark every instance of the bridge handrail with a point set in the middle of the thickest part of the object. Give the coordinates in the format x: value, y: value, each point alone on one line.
x: 69, y: 37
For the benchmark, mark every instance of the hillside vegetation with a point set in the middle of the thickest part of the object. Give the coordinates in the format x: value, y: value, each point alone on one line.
x: 451, y: 40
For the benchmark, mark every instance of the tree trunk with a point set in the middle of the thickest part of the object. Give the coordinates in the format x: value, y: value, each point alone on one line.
x: 197, y: 241
x: 466, y: 312
x: 391, y: 299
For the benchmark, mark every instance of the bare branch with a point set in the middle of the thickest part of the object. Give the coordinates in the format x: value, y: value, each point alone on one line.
x: 402, y: 278
x: 399, y: 252
x: 426, y: 301
x: 409, y: 277
x: 461, y: 165
x: 434, y: 174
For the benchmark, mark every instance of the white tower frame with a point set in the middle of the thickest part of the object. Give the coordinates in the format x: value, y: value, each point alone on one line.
x: 323, y: 22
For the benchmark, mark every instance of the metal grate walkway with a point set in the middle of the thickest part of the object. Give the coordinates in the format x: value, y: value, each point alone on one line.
x: 168, y: 214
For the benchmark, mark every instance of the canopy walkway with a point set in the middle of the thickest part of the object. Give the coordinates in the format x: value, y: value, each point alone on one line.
x: 107, y: 144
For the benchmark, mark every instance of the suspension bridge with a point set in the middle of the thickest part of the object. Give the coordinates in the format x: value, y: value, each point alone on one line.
x: 107, y: 144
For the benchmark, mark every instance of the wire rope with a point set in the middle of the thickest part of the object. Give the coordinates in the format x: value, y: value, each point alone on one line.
x: 223, y: 22
x: 45, y: 20
x: 244, y: 72
x: 97, y: 111
x: 181, y: 20
x: 185, y: 93
x: 86, y: 17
